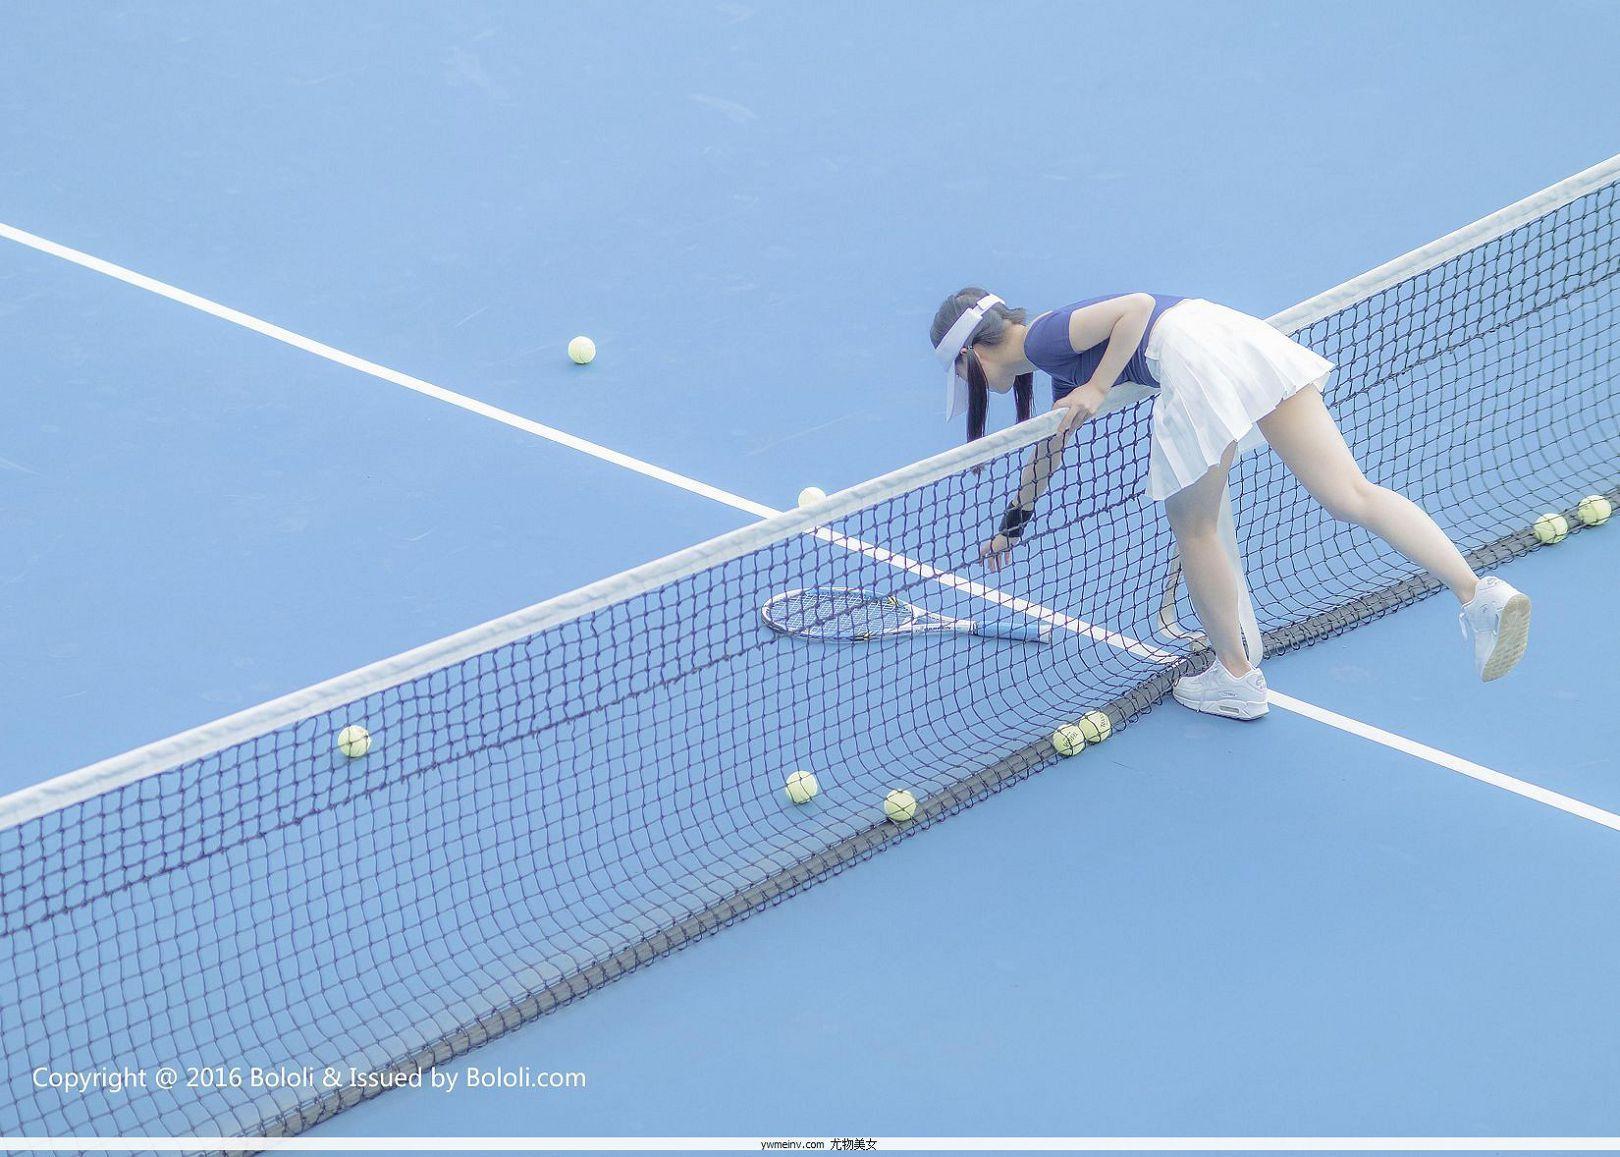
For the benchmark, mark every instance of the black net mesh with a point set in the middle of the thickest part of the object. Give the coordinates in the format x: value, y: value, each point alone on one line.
x: 545, y: 816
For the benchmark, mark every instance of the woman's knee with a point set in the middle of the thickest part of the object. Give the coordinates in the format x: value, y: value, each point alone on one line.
x: 1193, y: 526
x: 1353, y: 501
x: 1195, y: 509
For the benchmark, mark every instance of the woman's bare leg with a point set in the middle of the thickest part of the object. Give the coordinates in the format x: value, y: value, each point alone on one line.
x: 1308, y: 441
x: 1194, y: 512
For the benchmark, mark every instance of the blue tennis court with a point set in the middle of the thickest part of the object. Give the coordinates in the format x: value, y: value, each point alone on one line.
x: 387, y: 695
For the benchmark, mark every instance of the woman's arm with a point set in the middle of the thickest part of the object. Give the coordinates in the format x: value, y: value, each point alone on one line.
x: 1121, y: 322
x: 1043, y: 459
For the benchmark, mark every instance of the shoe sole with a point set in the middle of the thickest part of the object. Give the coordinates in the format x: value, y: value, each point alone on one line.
x: 1225, y: 708
x: 1512, y: 637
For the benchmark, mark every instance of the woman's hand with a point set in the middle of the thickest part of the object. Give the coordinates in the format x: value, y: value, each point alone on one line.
x: 1081, y: 404
x: 995, y: 553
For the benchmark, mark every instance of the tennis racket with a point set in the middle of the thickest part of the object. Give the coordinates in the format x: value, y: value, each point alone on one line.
x: 847, y: 614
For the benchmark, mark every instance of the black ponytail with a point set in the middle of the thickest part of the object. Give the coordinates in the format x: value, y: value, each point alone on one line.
x: 1024, y: 396
x: 978, y: 397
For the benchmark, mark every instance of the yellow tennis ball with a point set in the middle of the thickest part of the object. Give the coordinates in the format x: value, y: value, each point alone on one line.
x: 1551, y: 528
x: 582, y: 350
x: 1096, y: 726
x: 1595, y: 510
x: 810, y: 495
x: 1069, y: 739
x: 354, y: 741
x: 802, y: 787
x: 900, y: 805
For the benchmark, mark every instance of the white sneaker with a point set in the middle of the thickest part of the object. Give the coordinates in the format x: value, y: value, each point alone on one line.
x: 1498, y: 620
x: 1219, y: 692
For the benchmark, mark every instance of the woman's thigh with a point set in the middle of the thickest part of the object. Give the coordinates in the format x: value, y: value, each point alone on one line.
x: 1307, y: 439
x: 1197, y: 508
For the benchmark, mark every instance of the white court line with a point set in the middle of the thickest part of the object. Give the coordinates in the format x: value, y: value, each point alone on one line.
x: 702, y: 489
x: 1445, y: 759
x: 1001, y: 598
x: 395, y: 377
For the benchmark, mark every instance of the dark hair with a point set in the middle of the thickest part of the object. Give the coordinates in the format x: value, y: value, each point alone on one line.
x: 991, y: 331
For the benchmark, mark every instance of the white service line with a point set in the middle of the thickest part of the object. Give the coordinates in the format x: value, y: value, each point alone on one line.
x: 395, y: 377
x: 704, y: 490
x: 1445, y: 759
x: 1001, y: 598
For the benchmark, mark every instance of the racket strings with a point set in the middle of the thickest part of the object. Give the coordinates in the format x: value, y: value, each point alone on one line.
x: 838, y: 614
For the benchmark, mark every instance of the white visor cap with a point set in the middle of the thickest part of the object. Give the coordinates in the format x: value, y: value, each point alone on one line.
x: 950, y: 347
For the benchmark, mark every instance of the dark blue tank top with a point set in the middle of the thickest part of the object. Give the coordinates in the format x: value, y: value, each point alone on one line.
x: 1047, y: 346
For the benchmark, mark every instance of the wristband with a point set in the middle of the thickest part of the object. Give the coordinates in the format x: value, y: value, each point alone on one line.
x: 1014, y: 522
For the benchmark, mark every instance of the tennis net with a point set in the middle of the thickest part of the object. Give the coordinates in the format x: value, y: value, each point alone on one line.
x: 555, y: 798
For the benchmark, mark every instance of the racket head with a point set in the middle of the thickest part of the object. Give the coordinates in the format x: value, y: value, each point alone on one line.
x: 846, y: 614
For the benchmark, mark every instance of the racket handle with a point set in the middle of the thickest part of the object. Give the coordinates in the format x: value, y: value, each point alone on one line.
x: 1022, y: 632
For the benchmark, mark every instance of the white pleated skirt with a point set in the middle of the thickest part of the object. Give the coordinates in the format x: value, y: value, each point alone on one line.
x: 1220, y: 372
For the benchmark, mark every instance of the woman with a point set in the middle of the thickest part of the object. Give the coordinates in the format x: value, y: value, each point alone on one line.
x: 1216, y: 375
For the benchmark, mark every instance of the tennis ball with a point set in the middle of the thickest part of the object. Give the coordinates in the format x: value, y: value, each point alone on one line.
x: 354, y: 741
x: 810, y: 495
x: 1069, y: 739
x: 802, y: 787
x: 900, y: 805
x: 1096, y: 726
x: 1551, y: 528
x: 582, y: 350
x: 1595, y: 510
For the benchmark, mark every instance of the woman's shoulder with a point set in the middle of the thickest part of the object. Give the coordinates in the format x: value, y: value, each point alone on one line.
x: 1048, y: 336
x: 1067, y: 311
x: 1050, y: 331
